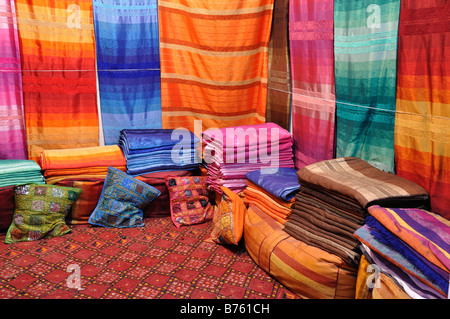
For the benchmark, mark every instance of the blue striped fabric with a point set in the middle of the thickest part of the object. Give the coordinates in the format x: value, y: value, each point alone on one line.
x: 128, y: 64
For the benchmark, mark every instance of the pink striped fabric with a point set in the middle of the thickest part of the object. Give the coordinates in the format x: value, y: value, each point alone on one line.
x: 312, y: 69
x: 12, y: 127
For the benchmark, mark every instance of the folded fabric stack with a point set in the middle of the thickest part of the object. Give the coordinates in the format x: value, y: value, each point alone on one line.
x: 333, y: 199
x: 232, y: 152
x: 16, y: 172
x: 272, y: 192
x: 81, y: 163
x: 411, y: 246
x: 152, y: 150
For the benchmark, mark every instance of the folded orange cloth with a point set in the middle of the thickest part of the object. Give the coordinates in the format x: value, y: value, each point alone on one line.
x: 74, y: 158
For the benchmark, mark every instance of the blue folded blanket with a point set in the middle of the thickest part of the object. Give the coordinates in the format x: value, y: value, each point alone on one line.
x: 282, y: 184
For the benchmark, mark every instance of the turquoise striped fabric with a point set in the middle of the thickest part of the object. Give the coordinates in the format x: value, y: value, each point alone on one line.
x: 365, y: 49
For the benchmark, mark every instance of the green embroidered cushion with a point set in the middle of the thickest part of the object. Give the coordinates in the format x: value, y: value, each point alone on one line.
x: 40, y: 211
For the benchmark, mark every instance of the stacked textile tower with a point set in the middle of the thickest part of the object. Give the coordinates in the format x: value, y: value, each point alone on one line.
x: 153, y: 150
x: 333, y: 199
x: 232, y: 152
x: 84, y: 162
x: 273, y: 193
x: 411, y: 246
x: 15, y: 172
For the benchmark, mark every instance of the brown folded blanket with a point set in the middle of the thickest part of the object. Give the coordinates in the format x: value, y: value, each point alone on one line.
x: 354, y: 178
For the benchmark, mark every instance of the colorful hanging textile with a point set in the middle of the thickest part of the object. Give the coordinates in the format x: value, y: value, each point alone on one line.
x: 127, y: 43
x: 214, y: 62
x: 365, y: 48
x: 58, y: 69
x: 12, y: 124
x: 313, y: 99
x: 278, y: 108
x: 422, y: 135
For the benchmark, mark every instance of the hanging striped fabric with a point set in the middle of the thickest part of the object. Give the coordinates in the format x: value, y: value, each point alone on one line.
x: 12, y: 125
x: 127, y: 43
x: 58, y: 68
x: 365, y: 34
x: 278, y: 108
x: 313, y: 100
x: 422, y: 135
x: 214, y: 62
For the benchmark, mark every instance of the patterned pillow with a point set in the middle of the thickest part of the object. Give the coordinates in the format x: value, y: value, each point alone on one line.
x: 189, y: 201
x: 228, y: 220
x: 40, y: 211
x: 122, y: 201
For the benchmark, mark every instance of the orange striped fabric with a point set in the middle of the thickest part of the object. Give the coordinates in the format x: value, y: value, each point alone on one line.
x: 307, y: 271
x: 214, y: 62
x: 58, y: 67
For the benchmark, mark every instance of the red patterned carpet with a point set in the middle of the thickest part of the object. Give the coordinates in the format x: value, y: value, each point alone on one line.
x: 157, y: 261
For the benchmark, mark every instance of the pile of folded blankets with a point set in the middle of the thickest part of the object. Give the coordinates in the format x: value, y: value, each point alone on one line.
x: 15, y: 172
x: 333, y: 199
x: 230, y: 153
x: 272, y: 192
x: 81, y: 163
x: 411, y: 246
x: 153, y: 150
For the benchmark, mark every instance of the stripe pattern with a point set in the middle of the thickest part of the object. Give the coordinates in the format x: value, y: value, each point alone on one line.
x: 214, y: 62
x: 12, y: 124
x: 365, y: 50
x: 128, y: 63
x: 58, y: 68
x: 313, y: 101
x: 422, y: 135
x: 278, y: 108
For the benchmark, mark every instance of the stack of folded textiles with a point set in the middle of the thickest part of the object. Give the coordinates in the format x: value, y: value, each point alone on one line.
x: 153, y: 150
x: 232, y: 152
x: 81, y: 163
x: 411, y: 246
x: 272, y: 192
x: 15, y: 172
x: 333, y: 200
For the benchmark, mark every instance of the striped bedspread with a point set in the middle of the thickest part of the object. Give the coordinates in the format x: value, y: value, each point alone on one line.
x: 422, y: 135
x: 313, y: 100
x: 127, y: 43
x: 357, y: 179
x: 365, y: 48
x: 58, y: 71
x: 12, y: 124
x: 214, y: 62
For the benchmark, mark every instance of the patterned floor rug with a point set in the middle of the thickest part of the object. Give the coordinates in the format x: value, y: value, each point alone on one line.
x: 157, y: 261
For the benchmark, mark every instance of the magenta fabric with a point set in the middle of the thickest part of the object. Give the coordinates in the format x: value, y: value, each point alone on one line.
x: 312, y: 71
x: 12, y: 124
x: 234, y: 151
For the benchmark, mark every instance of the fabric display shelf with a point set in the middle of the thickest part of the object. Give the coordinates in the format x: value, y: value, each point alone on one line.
x: 232, y: 152
x: 152, y: 150
x: 411, y: 247
x: 272, y: 193
x: 333, y: 199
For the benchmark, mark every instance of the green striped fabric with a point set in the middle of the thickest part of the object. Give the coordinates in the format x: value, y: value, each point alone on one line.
x: 365, y: 48
x: 16, y: 172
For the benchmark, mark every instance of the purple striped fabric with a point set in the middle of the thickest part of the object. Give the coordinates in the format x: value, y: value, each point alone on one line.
x: 12, y: 126
x: 312, y: 69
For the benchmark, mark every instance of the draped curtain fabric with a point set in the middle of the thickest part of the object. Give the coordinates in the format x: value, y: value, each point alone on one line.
x: 313, y: 100
x: 127, y: 43
x: 365, y: 34
x: 12, y: 124
x: 214, y: 62
x: 278, y: 108
x: 422, y: 135
x: 58, y: 71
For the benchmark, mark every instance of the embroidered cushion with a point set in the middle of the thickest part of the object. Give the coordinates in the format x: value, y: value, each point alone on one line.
x: 228, y: 220
x: 40, y: 211
x: 122, y: 201
x: 189, y: 201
